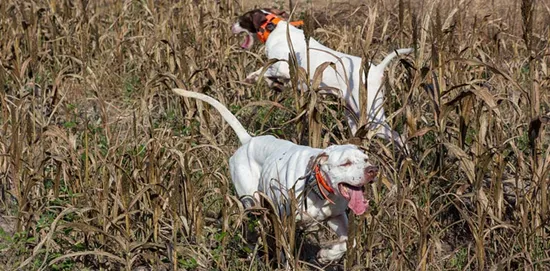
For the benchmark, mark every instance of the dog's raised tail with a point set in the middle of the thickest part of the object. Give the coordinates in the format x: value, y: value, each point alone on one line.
x: 241, y: 132
x: 389, y: 57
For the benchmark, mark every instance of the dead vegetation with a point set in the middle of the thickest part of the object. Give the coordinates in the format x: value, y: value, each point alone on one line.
x: 102, y: 167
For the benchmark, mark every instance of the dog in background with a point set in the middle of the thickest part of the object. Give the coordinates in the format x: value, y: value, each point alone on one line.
x: 270, y: 26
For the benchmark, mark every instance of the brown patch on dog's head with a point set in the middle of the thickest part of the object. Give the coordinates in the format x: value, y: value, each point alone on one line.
x: 254, y: 19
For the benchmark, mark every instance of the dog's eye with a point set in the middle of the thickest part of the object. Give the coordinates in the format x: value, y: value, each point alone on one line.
x: 346, y: 164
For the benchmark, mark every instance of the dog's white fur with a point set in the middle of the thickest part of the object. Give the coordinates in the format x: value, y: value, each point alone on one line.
x: 273, y: 166
x: 345, y: 78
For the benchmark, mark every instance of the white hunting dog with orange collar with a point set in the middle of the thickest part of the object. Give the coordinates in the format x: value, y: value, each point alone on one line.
x: 273, y: 166
x: 269, y: 26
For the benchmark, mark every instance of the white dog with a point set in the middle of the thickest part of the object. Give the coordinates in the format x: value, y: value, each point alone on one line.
x: 326, y: 181
x: 270, y: 27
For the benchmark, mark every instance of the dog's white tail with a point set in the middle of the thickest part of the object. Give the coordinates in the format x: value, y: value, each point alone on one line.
x: 242, y: 134
x: 389, y: 57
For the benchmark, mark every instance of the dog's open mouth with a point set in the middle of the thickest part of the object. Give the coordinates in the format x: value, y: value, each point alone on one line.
x: 354, y: 194
x: 248, y: 39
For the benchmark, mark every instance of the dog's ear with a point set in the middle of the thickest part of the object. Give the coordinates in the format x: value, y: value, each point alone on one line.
x: 252, y: 20
x: 258, y: 18
x: 323, y: 157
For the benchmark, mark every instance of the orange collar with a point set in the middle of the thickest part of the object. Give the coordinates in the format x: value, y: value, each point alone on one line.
x: 322, y: 182
x: 270, y: 24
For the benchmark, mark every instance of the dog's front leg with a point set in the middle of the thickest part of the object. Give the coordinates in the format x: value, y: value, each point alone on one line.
x: 340, y: 225
x: 253, y: 77
x: 278, y: 71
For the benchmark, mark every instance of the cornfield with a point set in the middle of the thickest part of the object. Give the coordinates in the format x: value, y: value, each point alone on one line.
x: 102, y: 167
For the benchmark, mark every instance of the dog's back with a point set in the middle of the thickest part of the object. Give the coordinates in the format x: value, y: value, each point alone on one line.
x: 250, y: 162
x: 344, y: 77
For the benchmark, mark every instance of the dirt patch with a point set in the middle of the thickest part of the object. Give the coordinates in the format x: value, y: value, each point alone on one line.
x: 7, y: 224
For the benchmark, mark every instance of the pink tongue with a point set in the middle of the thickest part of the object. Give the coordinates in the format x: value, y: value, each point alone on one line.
x: 247, y: 42
x: 357, y: 201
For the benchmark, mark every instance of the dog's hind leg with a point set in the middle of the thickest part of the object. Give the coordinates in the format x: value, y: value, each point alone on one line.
x: 244, y: 177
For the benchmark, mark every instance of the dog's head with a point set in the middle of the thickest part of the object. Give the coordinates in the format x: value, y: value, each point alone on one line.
x: 347, y: 169
x: 251, y: 22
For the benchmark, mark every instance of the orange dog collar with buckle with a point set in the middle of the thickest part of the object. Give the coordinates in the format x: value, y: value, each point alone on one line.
x: 270, y: 24
x: 321, y: 182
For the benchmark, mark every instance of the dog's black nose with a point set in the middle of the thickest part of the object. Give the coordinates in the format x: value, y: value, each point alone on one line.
x: 371, y: 172
x: 371, y: 169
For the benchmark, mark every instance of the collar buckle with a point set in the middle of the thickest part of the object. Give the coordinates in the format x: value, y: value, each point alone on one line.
x: 270, y: 26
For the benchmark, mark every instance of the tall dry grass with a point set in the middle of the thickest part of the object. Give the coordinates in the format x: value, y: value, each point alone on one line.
x: 101, y: 167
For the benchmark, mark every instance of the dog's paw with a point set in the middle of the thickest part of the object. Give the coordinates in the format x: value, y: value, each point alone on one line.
x: 325, y: 256
x: 248, y: 202
x: 277, y: 83
x: 252, y: 78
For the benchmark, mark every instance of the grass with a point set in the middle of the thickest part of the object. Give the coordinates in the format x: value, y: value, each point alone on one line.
x: 102, y: 167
